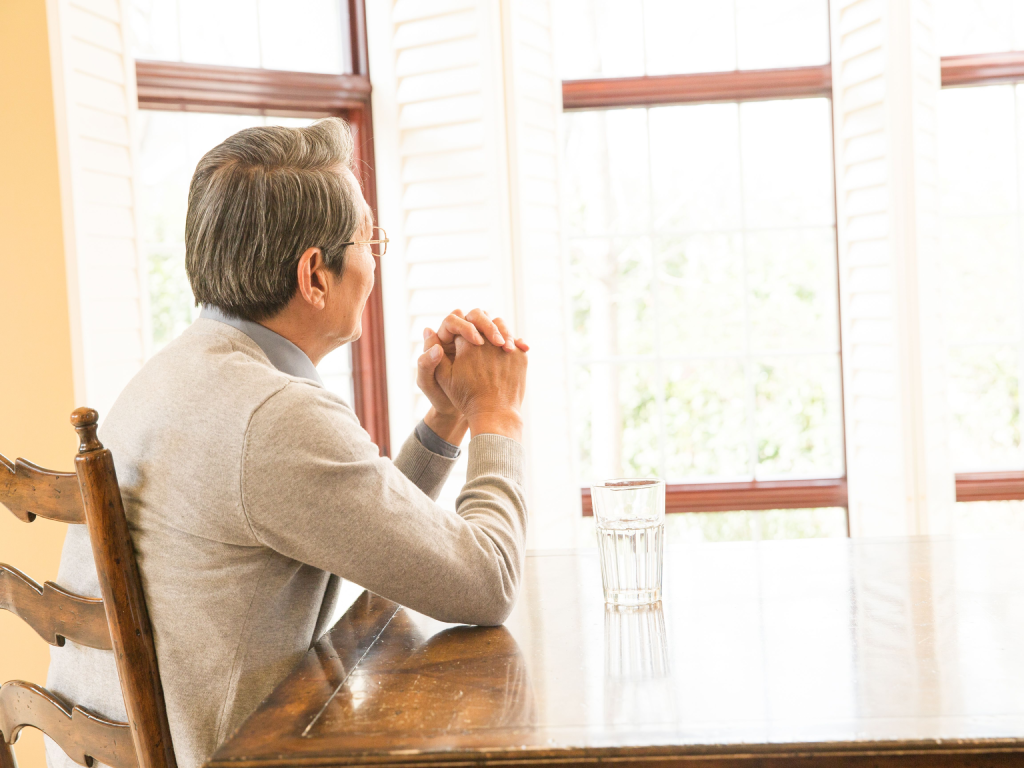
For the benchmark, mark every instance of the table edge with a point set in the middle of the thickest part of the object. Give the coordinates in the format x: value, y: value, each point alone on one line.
x: 528, y: 756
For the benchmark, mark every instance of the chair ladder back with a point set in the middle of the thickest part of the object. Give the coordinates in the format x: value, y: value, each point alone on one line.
x: 53, y: 612
x: 131, y: 633
x: 83, y: 736
x: 29, y: 490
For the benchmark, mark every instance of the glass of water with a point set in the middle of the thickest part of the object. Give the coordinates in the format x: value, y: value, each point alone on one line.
x: 631, y: 536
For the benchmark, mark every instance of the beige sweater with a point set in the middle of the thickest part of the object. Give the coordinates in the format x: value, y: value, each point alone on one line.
x: 245, y: 490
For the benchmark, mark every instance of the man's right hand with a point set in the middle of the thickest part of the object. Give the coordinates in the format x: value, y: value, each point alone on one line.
x: 487, y: 384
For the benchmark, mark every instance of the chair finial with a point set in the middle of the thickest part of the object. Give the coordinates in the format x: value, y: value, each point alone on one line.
x: 84, y: 420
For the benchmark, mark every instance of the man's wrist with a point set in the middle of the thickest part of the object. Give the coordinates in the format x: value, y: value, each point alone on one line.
x: 451, y: 428
x: 507, y: 422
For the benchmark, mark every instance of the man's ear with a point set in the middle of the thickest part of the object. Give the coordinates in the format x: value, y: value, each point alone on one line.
x: 312, y: 281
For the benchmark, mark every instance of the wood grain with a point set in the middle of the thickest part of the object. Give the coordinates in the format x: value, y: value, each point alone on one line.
x: 53, y: 612
x: 210, y: 88
x: 83, y: 736
x: 127, y: 616
x: 752, y: 495
x: 699, y: 88
x: 989, y: 486
x: 785, y: 654
x: 28, y: 491
x: 983, y: 69
x: 369, y: 365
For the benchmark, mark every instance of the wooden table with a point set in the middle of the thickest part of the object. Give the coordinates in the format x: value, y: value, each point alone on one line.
x: 837, y: 652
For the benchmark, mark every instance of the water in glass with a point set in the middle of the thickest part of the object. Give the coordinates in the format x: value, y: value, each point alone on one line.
x: 631, y: 561
x: 631, y: 538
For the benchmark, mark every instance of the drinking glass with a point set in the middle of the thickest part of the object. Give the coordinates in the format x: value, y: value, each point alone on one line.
x: 631, y: 537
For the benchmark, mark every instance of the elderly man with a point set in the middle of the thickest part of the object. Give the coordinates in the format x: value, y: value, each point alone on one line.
x: 251, y: 490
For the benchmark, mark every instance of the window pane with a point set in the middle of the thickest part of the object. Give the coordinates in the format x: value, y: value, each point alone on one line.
x: 980, y: 248
x: 599, y: 38
x: 782, y: 33
x: 299, y: 35
x: 607, y: 172
x: 629, y: 38
x: 985, y: 518
x: 774, y: 524
x: 154, y: 26
x: 787, y: 163
x: 983, y: 273
x: 615, y: 410
x: 695, y: 183
x: 336, y: 373
x: 799, y: 416
x: 641, y: 456
x: 684, y: 36
x: 792, y: 284
x: 700, y: 279
x: 984, y: 391
x: 706, y: 421
x: 977, y: 150
x: 979, y: 26
x: 172, y: 143
x: 304, y: 36
x: 220, y: 32
x: 732, y: 343
x: 827, y: 522
x: 612, y: 290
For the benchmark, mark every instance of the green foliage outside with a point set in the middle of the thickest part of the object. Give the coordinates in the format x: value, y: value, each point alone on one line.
x: 170, y: 296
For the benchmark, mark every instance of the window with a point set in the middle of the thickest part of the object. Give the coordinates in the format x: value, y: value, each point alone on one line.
x: 208, y: 69
x: 699, y: 206
x: 298, y: 35
x: 980, y: 130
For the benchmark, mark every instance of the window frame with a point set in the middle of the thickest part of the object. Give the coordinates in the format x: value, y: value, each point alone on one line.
x: 973, y: 70
x: 185, y: 87
x: 734, y: 86
x: 762, y: 85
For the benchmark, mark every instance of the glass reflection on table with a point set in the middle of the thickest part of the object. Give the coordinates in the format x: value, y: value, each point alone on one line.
x: 638, y: 684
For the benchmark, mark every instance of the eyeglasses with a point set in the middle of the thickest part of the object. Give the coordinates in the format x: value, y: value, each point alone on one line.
x: 382, y: 240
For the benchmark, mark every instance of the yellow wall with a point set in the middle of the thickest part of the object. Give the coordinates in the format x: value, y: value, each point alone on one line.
x: 36, y: 389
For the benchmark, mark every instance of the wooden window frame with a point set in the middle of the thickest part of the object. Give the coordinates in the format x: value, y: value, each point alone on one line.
x: 751, y: 495
x: 966, y: 71
x: 763, y: 85
x: 184, y: 87
x: 712, y: 88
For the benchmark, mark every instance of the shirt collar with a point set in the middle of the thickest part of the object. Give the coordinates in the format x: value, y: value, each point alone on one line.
x: 283, y: 354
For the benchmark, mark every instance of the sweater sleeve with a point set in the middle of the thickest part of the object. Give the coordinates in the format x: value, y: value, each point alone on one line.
x: 427, y: 470
x: 315, y: 489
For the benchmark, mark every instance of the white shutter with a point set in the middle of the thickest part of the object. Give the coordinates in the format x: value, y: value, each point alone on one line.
x: 533, y: 98
x: 466, y: 105
x: 885, y: 84
x: 94, y: 87
x: 437, y: 148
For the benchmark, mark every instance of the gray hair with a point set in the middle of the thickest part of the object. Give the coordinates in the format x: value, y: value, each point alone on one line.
x: 256, y: 203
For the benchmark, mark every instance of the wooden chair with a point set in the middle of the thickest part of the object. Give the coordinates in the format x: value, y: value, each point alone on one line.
x: 119, y: 622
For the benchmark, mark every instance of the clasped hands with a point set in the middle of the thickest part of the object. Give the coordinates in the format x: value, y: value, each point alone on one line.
x: 473, y: 372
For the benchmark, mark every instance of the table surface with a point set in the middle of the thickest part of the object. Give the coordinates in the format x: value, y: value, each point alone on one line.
x: 886, y: 650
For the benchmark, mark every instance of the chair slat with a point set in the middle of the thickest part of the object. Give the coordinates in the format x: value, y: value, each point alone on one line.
x: 29, y: 490
x: 53, y: 612
x: 83, y: 736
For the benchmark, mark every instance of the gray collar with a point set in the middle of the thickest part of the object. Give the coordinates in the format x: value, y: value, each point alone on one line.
x: 283, y: 354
